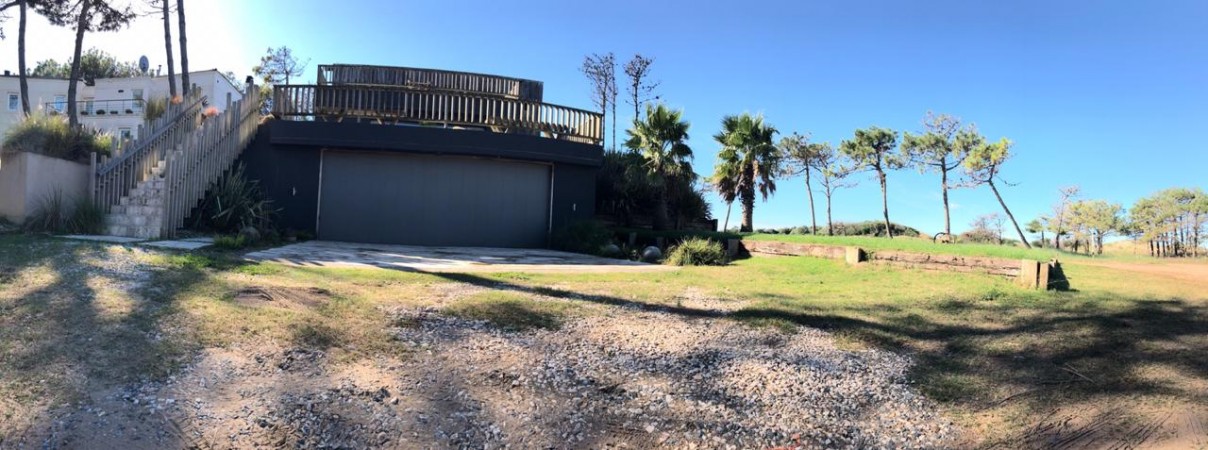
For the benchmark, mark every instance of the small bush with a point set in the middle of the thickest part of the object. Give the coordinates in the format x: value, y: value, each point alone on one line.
x: 55, y: 215
x: 53, y: 136
x: 228, y: 242
x: 697, y: 252
x: 587, y: 236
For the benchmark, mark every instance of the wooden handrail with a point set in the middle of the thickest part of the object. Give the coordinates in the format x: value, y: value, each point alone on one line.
x: 402, y: 104
x: 145, y: 144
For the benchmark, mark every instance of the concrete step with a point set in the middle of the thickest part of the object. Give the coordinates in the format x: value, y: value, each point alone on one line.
x: 133, y: 220
x: 141, y: 201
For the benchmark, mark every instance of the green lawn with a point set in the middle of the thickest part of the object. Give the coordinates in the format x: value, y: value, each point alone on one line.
x: 914, y: 244
x: 994, y: 355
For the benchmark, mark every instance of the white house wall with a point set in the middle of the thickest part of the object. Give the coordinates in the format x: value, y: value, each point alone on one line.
x: 42, y: 91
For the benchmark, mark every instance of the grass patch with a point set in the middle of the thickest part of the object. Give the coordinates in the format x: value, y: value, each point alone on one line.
x: 512, y: 311
x: 913, y: 244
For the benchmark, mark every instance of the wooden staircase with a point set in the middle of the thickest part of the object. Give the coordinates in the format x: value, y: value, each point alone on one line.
x: 149, y: 187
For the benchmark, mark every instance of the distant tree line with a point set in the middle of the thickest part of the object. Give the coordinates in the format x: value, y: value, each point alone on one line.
x: 1170, y: 222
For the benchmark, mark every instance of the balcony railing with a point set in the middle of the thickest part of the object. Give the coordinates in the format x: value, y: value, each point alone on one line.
x: 444, y: 80
x: 101, y: 108
x: 392, y: 104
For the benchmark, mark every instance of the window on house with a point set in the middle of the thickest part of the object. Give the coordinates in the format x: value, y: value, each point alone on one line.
x: 60, y: 104
x: 125, y: 133
x: 137, y: 94
x: 14, y: 101
x: 89, y: 106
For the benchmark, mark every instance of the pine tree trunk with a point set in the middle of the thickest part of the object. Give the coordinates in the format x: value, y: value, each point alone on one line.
x: 944, y: 191
x: 21, y: 60
x: 885, y: 203
x: 168, y: 49
x: 830, y: 227
x: 73, y: 118
x: 809, y: 190
x: 1009, y: 215
x: 185, y: 87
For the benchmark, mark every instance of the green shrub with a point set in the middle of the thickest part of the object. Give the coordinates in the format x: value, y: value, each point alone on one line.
x: 235, y: 203
x: 230, y: 242
x: 53, y: 136
x: 697, y: 252
x: 586, y: 236
x: 53, y: 214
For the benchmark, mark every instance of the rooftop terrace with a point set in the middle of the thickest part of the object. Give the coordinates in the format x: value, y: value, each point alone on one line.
x: 403, y: 95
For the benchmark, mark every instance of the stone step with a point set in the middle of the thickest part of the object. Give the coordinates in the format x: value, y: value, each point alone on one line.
x: 141, y: 201
x: 133, y: 220
x: 132, y: 231
x: 137, y: 210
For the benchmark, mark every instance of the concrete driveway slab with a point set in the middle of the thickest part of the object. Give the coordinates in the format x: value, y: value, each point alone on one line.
x: 444, y: 259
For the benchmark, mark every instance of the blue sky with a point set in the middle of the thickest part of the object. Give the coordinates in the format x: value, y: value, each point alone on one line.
x: 1109, y: 95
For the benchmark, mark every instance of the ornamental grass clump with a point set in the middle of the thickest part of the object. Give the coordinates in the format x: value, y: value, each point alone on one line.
x: 697, y: 252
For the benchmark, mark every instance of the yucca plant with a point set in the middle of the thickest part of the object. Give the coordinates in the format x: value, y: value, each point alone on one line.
x: 234, y: 203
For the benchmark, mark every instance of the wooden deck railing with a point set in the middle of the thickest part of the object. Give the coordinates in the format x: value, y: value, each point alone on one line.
x: 474, y: 83
x: 392, y: 104
x: 132, y: 161
x: 200, y: 158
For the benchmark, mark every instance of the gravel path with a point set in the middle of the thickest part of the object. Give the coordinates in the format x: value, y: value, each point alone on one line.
x: 631, y: 379
x: 618, y: 377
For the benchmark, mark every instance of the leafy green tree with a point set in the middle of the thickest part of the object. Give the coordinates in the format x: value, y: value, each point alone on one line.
x: 1037, y: 226
x: 85, y: 16
x: 1172, y: 221
x: 94, y: 64
x: 983, y: 166
x: 874, y: 149
x: 1096, y: 219
x: 748, y: 162
x: 942, y: 148
x: 833, y: 174
x: 660, y: 139
x: 277, y: 66
x: 800, y: 157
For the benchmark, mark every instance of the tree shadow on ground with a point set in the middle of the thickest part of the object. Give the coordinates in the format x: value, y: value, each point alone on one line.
x: 85, y: 321
x: 982, y: 355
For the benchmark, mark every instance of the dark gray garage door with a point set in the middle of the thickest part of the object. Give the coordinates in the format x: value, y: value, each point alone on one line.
x: 433, y: 200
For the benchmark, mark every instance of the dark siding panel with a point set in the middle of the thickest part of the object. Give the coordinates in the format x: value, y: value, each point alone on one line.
x: 424, y: 200
x: 287, y: 175
x: 574, y: 194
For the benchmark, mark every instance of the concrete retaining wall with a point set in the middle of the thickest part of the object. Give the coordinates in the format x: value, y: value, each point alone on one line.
x: 1028, y: 273
x: 27, y: 179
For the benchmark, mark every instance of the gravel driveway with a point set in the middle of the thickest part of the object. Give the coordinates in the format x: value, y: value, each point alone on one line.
x: 628, y: 378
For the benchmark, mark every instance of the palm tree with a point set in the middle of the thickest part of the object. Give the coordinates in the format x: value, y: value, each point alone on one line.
x: 748, y: 162
x: 659, y: 139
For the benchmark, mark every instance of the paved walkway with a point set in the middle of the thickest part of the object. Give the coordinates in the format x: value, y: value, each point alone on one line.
x: 444, y: 259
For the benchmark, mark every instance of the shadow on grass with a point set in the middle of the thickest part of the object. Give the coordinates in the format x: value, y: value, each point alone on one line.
x: 79, y: 328
x: 976, y: 353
